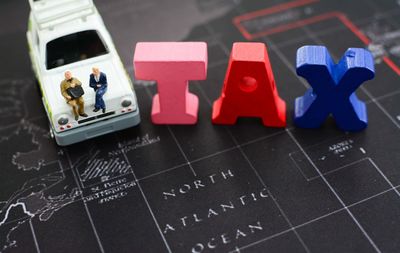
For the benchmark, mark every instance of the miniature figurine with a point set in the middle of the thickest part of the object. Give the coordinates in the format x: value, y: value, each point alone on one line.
x: 72, y: 91
x: 98, y: 81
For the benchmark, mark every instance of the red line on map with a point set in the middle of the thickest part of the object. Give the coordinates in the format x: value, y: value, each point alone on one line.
x: 342, y: 17
x: 319, y: 18
x: 264, y: 12
x: 366, y: 41
x: 273, y: 9
x: 293, y: 25
x: 392, y: 65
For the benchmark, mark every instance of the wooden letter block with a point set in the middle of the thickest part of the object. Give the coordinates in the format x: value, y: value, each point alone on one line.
x: 172, y: 65
x: 249, y: 88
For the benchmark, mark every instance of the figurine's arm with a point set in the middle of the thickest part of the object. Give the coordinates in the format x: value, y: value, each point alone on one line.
x: 105, y: 81
x: 92, y: 82
x: 64, y: 91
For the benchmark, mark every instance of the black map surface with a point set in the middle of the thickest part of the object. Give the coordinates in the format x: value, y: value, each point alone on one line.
x: 206, y: 188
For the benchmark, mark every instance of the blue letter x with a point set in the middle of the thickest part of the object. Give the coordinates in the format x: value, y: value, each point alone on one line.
x: 333, y: 87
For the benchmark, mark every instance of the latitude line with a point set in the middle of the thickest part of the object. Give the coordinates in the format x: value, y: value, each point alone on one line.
x: 316, y: 219
x: 84, y: 203
x: 334, y: 192
x: 34, y: 236
x: 145, y: 198
x: 315, y: 38
x: 227, y: 53
x: 291, y: 68
x: 175, y: 139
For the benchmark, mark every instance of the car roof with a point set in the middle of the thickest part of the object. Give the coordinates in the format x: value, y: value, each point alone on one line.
x: 55, y: 18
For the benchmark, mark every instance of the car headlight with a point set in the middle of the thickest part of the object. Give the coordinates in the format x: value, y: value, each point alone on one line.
x: 126, y: 102
x: 63, y: 120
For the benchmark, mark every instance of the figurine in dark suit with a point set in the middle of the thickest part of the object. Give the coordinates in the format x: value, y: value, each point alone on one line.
x: 98, y: 81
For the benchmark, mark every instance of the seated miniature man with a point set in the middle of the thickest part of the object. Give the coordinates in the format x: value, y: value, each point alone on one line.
x: 73, y: 98
x: 98, y: 81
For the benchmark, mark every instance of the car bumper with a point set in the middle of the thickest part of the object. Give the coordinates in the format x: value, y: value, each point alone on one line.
x: 97, y: 129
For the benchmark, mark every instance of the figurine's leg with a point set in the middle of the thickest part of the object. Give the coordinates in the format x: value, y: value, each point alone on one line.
x: 74, y: 106
x: 102, y: 100
x: 99, y: 98
x: 81, y: 105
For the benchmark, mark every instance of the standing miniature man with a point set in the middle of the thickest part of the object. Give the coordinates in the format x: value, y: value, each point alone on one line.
x: 67, y: 85
x: 98, y: 81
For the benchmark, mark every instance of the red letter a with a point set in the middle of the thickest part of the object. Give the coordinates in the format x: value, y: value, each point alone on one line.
x: 249, y: 88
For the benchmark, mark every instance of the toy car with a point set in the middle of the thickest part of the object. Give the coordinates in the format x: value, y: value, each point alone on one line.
x: 69, y: 35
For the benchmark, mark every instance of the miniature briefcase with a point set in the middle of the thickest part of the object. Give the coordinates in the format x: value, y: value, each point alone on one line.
x: 75, y: 92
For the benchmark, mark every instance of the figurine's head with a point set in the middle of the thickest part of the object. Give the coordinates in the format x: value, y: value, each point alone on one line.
x: 95, y: 71
x: 68, y: 75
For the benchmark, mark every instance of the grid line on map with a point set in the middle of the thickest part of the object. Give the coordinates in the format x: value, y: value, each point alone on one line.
x: 227, y: 52
x: 89, y: 215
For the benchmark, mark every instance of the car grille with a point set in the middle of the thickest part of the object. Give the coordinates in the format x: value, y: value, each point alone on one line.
x: 96, y: 117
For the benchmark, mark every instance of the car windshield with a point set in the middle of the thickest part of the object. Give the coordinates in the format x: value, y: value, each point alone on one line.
x: 74, y: 47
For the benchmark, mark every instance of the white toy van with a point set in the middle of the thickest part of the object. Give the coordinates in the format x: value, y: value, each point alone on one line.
x: 70, y: 35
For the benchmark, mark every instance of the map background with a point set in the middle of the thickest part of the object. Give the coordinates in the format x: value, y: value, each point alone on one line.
x: 328, y: 191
